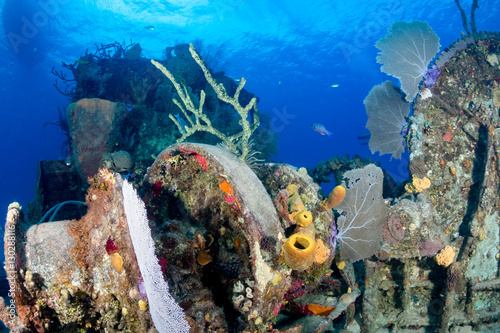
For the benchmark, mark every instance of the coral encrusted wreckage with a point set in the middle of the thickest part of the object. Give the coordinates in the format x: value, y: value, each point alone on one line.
x: 438, y: 266
x: 197, y: 241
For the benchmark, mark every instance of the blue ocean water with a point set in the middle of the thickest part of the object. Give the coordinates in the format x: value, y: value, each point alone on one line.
x: 309, y: 61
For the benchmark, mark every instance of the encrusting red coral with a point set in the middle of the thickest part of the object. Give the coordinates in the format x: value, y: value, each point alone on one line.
x: 110, y: 246
x: 157, y: 189
x: 296, y: 290
x: 200, y: 159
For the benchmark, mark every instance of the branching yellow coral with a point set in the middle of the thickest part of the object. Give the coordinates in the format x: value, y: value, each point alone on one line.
x: 418, y: 184
x: 238, y: 143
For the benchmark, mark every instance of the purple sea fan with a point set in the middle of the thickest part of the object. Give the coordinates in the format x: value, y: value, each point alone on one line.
x: 363, y: 214
x: 387, y: 112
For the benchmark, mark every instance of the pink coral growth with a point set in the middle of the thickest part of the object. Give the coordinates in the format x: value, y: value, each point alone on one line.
x: 277, y: 309
x: 202, y: 160
x: 296, y: 290
x: 163, y: 264
x: 430, y: 247
x: 229, y: 199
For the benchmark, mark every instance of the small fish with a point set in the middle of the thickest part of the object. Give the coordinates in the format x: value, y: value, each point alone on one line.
x: 335, y: 85
x: 320, y: 129
x: 150, y: 27
x: 181, y: 121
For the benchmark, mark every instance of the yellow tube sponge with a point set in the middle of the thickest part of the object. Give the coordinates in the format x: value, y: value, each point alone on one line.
x: 336, y: 196
x: 299, y: 251
x: 303, y: 218
x: 297, y: 210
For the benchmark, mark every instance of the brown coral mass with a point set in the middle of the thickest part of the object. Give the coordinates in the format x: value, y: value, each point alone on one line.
x: 396, y: 228
x: 394, y: 231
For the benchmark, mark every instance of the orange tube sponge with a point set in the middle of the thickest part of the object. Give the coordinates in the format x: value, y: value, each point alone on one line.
x: 319, y: 310
x: 336, y: 196
x: 299, y: 251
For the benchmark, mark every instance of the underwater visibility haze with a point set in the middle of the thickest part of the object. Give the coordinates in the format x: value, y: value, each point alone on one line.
x: 250, y: 166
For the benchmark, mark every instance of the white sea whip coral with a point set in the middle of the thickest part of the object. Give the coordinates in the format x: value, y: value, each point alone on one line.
x: 167, y: 315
